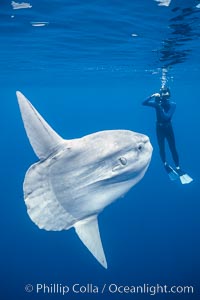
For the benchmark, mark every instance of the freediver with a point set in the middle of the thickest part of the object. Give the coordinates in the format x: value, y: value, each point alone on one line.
x: 164, y: 131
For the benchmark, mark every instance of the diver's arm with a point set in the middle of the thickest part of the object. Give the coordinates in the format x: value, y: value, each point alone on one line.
x: 150, y: 101
x: 167, y: 115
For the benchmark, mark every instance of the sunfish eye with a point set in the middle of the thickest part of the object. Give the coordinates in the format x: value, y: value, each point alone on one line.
x: 123, y: 161
x: 140, y: 147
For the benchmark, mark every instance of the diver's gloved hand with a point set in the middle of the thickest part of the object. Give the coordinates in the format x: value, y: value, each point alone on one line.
x: 155, y: 95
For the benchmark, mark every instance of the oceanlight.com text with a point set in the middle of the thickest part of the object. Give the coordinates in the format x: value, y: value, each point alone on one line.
x: 111, y: 288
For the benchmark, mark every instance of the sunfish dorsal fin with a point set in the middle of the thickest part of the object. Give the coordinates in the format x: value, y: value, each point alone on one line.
x: 88, y: 232
x: 42, y: 137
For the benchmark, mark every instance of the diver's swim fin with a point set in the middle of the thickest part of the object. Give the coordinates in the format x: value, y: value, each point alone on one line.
x: 184, y: 178
x: 173, y: 175
x: 178, y: 173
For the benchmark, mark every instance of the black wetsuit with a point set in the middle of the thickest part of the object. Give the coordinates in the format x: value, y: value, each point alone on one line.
x: 164, y: 112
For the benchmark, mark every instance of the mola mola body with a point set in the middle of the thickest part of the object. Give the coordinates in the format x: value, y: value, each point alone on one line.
x: 76, y: 179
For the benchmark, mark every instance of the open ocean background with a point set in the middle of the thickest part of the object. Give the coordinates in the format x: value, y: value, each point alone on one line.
x: 87, y: 66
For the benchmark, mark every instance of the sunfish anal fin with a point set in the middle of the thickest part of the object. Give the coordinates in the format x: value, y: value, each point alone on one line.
x: 88, y: 232
x: 42, y: 137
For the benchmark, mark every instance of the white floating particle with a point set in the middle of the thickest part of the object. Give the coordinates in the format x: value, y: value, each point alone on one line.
x: 39, y: 24
x: 16, y: 5
x: 163, y: 2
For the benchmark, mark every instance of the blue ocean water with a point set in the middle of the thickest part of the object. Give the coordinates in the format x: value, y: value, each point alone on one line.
x: 87, y: 66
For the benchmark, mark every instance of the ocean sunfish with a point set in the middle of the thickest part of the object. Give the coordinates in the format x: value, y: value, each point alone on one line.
x: 74, y: 180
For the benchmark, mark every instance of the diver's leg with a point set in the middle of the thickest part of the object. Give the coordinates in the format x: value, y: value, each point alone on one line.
x: 184, y: 178
x: 161, y: 142
x: 161, y: 135
x: 172, y: 145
